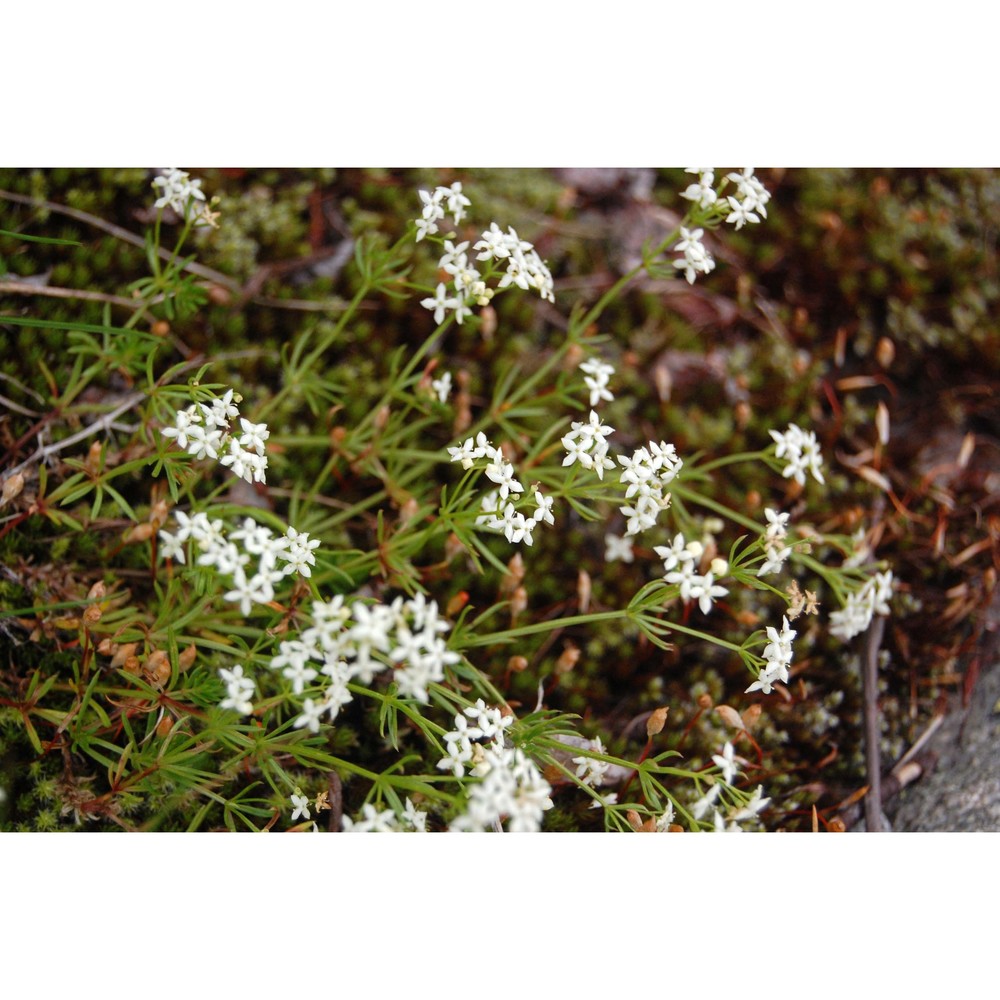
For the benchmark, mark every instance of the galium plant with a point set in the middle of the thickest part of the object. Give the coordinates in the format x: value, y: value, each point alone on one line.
x: 257, y: 656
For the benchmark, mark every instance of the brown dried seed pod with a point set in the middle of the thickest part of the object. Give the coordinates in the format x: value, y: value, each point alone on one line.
x: 186, y: 658
x: 567, y: 659
x: 656, y: 721
x: 885, y: 352
x: 158, y: 514
x: 12, y: 487
x: 92, y: 463
x: 140, y: 533
x: 518, y: 601
x: 583, y: 591
x: 517, y: 664
x: 157, y: 668
x: 92, y: 615
x: 123, y: 653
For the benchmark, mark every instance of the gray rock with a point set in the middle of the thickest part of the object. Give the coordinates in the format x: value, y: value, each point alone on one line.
x: 963, y: 792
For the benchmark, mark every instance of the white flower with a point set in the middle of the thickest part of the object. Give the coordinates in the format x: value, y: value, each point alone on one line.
x: 590, y: 770
x: 172, y: 547
x: 239, y: 690
x: 442, y: 386
x: 586, y: 444
x: 664, y: 821
x: 457, y: 202
x: 425, y: 227
x: 440, y: 303
x: 597, y: 375
x: 616, y: 547
x: 702, y: 805
x: 301, y: 803
x: 254, y: 435
x: 741, y: 213
x: 778, y: 654
x: 502, y: 473
x: 802, y: 451
x: 756, y: 804
x: 543, y: 509
x: 467, y: 453
x: 753, y: 194
x: 679, y: 552
x: 298, y: 552
x: 696, y: 258
x: 177, y: 190
x: 727, y: 763
x: 777, y: 524
x: 705, y: 590
x: 414, y: 817
x: 311, y: 715
x: 702, y: 193
x: 374, y: 821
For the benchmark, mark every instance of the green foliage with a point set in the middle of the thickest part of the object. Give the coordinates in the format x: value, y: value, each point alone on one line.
x: 111, y: 680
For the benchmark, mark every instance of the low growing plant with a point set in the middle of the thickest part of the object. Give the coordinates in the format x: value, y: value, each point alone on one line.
x: 309, y: 602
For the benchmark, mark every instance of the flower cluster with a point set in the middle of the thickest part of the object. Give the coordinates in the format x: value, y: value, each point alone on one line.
x: 775, y: 549
x: 203, y: 430
x: 179, y: 192
x: 358, y: 641
x: 386, y: 821
x: 801, y: 450
x: 751, y: 198
x: 697, y: 260
x: 251, y: 585
x: 511, y: 786
x: 239, y: 691
x: 645, y: 475
x: 586, y: 444
x: 590, y: 770
x: 856, y: 615
x: 434, y: 208
x: 509, y: 521
x: 596, y: 376
x: 522, y: 265
x: 740, y: 814
x: 778, y: 656
x: 487, y: 729
x: 499, y: 506
x: 703, y: 193
x: 681, y: 562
